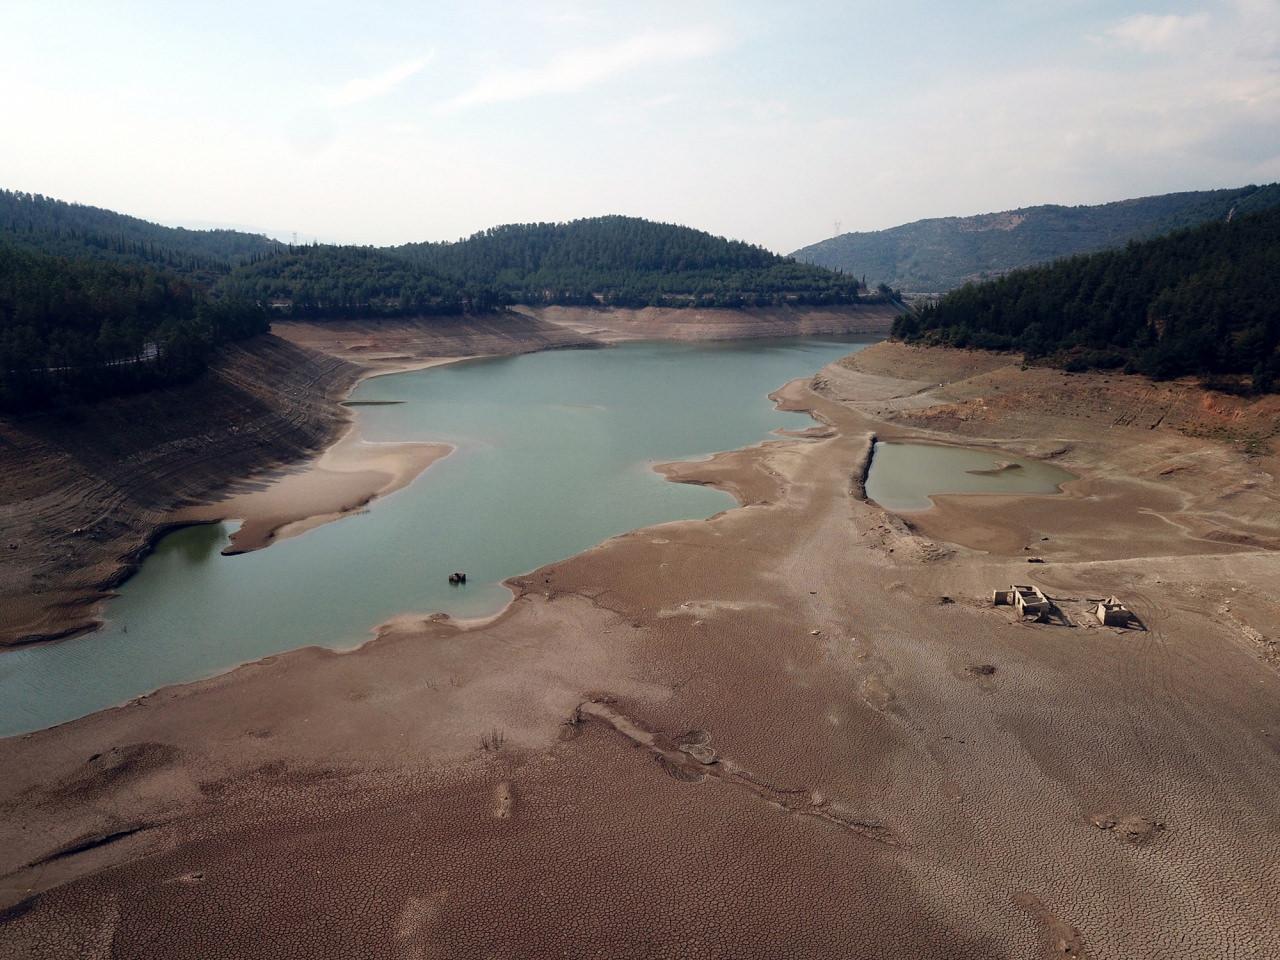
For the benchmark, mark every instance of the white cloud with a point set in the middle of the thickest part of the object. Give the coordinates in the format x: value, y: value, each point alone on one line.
x: 586, y: 66
x: 360, y: 89
x: 1156, y: 33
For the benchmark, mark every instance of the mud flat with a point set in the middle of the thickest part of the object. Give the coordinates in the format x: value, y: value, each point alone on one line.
x: 795, y: 729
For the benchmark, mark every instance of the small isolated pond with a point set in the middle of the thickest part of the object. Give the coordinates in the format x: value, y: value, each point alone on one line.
x: 905, y: 475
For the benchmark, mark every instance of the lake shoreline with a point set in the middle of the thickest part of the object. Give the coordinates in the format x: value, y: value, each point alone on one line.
x: 67, y: 559
x: 805, y: 678
x: 346, y: 476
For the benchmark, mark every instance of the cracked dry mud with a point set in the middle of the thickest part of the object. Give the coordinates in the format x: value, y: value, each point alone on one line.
x: 761, y: 735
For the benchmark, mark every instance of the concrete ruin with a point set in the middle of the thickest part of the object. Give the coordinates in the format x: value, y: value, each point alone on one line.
x: 1029, y: 601
x: 1112, y: 613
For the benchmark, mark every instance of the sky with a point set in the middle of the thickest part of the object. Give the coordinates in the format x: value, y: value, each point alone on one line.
x: 388, y: 122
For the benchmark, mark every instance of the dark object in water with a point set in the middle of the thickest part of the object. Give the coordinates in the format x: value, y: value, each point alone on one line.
x: 457, y: 578
x: 1002, y: 466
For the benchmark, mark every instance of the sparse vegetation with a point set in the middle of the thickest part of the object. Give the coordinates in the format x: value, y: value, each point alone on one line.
x: 933, y: 256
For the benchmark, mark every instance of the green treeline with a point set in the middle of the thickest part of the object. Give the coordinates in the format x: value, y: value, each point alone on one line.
x: 627, y: 261
x: 45, y: 225
x: 83, y: 329
x: 323, y: 281
x: 1204, y: 301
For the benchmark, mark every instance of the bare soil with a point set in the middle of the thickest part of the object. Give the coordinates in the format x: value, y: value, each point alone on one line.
x: 798, y: 729
x: 666, y: 323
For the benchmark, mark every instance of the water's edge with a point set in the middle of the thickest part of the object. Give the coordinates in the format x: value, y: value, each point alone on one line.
x: 356, y: 426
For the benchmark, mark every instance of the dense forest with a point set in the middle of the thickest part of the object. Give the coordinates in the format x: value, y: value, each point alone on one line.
x: 627, y: 261
x: 82, y: 329
x: 933, y: 256
x: 326, y: 281
x: 1204, y: 300
x: 94, y: 303
x: 45, y: 225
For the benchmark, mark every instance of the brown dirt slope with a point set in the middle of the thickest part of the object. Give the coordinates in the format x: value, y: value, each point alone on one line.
x: 82, y: 493
x: 399, y: 342
x: 646, y: 323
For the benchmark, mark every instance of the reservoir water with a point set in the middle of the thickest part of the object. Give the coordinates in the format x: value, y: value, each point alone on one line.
x: 554, y: 454
x: 905, y: 475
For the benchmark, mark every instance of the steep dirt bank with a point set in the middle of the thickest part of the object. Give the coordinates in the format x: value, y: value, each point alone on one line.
x: 796, y: 729
x: 401, y: 343
x: 83, y: 493
x: 662, y: 323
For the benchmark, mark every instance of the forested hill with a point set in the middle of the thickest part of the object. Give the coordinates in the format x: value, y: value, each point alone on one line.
x: 933, y: 256
x: 46, y: 225
x: 95, y: 303
x: 328, y: 281
x: 627, y: 261
x: 613, y: 260
x: 1201, y: 301
x: 82, y: 329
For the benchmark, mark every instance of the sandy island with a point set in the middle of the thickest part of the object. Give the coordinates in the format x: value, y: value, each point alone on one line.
x: 795, y: 729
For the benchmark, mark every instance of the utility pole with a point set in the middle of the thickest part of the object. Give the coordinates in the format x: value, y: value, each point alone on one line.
x: 837, y: 231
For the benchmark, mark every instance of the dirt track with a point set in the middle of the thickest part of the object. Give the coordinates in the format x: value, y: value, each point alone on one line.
x: 794, y: 730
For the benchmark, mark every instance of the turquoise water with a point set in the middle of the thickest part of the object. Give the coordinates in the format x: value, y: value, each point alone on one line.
x: 554, y: 454
x: 905, y: 475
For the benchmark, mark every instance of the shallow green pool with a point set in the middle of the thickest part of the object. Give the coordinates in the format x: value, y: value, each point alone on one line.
x: 905, y: 475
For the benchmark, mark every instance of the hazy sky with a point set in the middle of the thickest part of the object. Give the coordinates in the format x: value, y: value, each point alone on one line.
x: 386, y: 122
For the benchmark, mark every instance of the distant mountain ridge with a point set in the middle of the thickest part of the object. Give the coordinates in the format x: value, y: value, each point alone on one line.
x: 936, y: 255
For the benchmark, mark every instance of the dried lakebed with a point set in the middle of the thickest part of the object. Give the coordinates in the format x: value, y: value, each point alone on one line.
x: 553, y: 454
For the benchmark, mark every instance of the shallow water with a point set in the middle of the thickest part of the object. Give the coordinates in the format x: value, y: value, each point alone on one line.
x: 905, y: 475
x: 554, y: 454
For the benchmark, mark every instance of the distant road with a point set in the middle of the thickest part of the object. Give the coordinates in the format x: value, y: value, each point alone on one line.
x: 149, y: 352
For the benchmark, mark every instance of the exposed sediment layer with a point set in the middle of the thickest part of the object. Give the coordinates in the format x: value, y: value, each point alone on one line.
x: 647, y: 323
x: 83, y: 494
x: 399, y: 344
x: 824, y: 656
